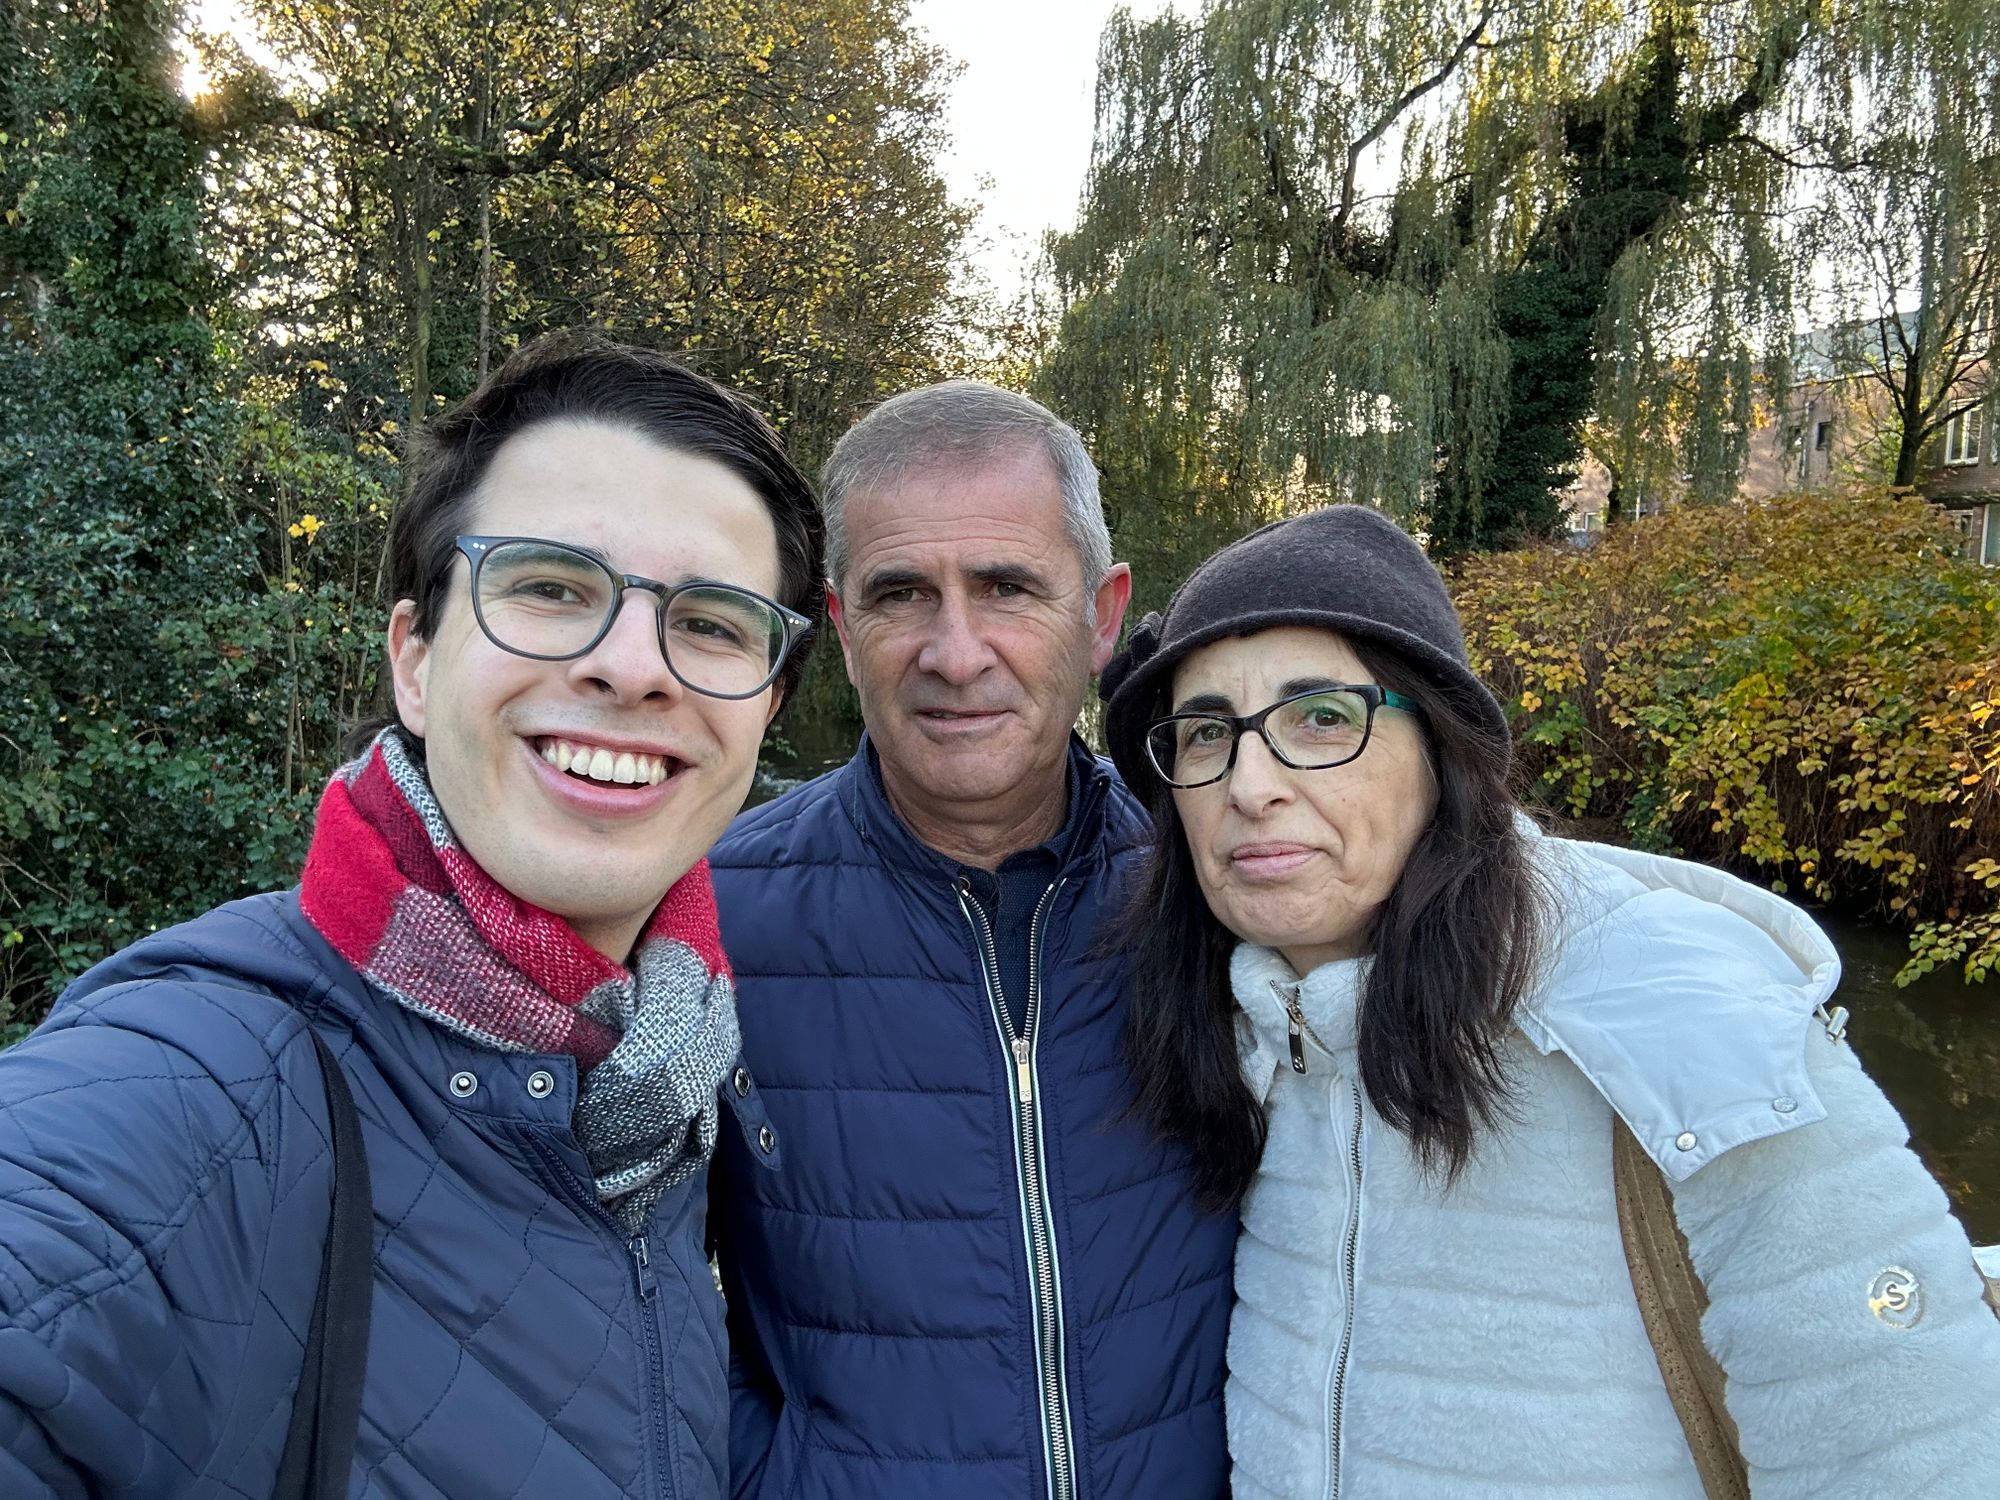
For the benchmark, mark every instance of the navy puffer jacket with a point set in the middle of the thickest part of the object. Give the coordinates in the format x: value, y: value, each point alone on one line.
x: 164, y: 1195
x: 958, y: 1287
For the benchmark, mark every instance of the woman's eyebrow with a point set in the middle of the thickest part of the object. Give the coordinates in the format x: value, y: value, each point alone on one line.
x: 1309, y: 685
x: 1206, y: 703
x: 1220, y: 703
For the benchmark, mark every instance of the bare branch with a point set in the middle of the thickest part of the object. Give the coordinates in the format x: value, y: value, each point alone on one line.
x: 1833, y: 163
x: 1787, y: 39
x: 1389, y: 117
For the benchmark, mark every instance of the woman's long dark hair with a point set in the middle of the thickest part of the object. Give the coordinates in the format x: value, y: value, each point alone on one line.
x: 1455, y: 945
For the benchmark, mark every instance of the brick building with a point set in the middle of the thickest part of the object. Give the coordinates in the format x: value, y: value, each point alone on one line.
x: 1830, y: 430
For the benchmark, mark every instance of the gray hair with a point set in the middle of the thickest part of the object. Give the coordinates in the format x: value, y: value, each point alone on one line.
x: 968, y: 422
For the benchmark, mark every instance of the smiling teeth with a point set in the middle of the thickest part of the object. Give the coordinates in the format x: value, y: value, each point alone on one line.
x: 621, y: 768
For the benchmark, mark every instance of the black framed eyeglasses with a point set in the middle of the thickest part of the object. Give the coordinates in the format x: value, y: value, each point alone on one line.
x: 1310, y: 731
x: 550, y: 601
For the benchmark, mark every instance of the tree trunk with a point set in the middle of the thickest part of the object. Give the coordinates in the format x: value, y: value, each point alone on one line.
x: 1914, y: 432
x: 482, y: 132
x: 421, y: 310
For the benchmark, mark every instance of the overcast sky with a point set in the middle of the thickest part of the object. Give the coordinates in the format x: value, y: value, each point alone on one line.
x: 1021, y: 112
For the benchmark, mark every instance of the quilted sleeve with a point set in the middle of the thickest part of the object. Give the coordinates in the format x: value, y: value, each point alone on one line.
x: 163, y: 1194
x: 1860, y: 1359
x: 753, y: 1425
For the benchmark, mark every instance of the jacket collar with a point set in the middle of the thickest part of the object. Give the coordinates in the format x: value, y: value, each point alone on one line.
x: 867, y: 805
x: 1685, y: 996
x: 1328, y: 999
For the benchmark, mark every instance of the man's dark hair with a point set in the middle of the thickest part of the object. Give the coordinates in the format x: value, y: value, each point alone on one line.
x: 1455, y: 945
x: 583, y: 377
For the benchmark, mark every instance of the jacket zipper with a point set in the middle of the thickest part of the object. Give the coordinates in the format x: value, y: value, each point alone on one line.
x: 639, y: 1253
x: 649, y: 1317
x: 1297, y: 1029
x: 1349, y: 1251
x: 1028, y: 1163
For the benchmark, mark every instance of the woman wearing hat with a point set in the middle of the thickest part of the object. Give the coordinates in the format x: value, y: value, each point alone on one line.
x: 1399, y: 1027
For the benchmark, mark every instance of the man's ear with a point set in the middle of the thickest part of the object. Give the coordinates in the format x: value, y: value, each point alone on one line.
x: 839, y: 619
x: 1114, y: 594
x: 409, y: 665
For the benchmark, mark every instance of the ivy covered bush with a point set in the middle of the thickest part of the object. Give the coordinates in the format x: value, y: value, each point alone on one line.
x: 182, y: 570
x: 1806, y: 689
x: 229, y: 294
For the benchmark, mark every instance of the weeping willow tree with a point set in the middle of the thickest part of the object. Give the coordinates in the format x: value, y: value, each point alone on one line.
x: 1405, y: 252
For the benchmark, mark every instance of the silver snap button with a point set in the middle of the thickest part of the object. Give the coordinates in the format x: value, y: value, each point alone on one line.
x: 767, y: 1139
x: 541, y: 1084
x: 1685, y: 1141
x: 464, y: 1085
x: 742, y: 1082
x: 1785, y: 1105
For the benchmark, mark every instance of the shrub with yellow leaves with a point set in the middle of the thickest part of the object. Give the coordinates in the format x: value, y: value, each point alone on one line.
x: 1807, y: 689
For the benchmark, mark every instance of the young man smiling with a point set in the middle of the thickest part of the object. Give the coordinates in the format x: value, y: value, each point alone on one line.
x: 505, y: 935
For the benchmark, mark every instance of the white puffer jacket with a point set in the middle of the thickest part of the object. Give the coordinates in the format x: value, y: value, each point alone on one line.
x: 1393, y: 1341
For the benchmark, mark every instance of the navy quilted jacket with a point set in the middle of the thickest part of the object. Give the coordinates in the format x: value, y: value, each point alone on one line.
x: 164, y: 1195
x: 974, y: 1278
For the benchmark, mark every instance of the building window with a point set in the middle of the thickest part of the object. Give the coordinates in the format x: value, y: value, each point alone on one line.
x: 1989, y: 547
x: 1965, y: 521
x: 1961, y: 436
x: 1822, y: 437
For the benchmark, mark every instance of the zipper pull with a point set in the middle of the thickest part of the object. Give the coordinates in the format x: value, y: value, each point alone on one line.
x: 642, y: 1266
x: 1295, y: 1023
x: 1023, y: 1075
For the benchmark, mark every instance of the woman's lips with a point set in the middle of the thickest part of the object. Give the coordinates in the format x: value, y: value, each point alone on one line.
x: 1269, y: 861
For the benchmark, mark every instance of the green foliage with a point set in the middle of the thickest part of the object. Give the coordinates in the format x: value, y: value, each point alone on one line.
x: 217, y: 317
x: 122, y: 556
x: 1808, y: 688
x: 167, y: 666
x: 1415, y: 254
x: 748, y: 182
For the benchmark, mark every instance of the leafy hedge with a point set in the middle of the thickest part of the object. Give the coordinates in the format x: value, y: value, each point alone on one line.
x: 1807, y: 689
x: 184, y: 569
x: 173, y: 686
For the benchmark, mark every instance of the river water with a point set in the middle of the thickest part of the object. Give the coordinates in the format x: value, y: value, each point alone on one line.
x: 1934, y: 1047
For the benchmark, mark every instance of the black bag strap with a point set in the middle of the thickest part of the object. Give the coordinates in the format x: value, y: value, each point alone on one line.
x: 319, y: 1445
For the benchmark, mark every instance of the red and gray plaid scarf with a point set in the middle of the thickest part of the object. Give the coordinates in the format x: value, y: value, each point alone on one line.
x: 387, y: 885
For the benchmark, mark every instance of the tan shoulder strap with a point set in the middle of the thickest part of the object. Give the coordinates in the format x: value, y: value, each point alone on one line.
x: 1672, y: 1300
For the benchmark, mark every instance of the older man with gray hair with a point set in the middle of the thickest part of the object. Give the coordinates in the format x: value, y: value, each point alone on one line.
x: 978, y: 1276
